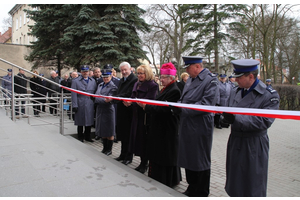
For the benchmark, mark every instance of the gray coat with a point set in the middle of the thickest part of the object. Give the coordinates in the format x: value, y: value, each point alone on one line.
x: 85, y: 114
x: 196, y: 127
x: 248, y: 144
x: 105, y: 112
x: 6, y: 84
x: 224, y: 89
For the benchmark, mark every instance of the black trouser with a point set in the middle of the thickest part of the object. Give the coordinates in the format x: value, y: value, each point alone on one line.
x: 36, y: 108
x: 217, y: 120
x: 53, y: 108
x: 125, y: 154
x: 199, y: 182
x: 84, y: 135
x: 22, y: 108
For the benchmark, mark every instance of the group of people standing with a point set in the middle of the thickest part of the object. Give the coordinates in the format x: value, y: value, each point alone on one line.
x: 152, y: 132
x: 168, y: 138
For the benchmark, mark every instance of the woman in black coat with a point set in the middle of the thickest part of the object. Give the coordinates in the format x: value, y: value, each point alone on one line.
x: 145, y: 88
x: 163, y: 131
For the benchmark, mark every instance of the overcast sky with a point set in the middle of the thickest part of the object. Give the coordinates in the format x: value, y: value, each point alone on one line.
x: 5, y: 8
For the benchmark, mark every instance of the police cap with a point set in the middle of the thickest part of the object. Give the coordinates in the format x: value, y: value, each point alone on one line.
x: 106, y: 72
x: 108, y: 66
x: 243, y: 66
x: 188, y: 60
x: 85, y: 68
x: 9, y: 70
x: 223, y: 76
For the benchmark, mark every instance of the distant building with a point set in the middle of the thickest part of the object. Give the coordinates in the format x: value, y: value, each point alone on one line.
x: 20, y: 23
x: 6, y: 37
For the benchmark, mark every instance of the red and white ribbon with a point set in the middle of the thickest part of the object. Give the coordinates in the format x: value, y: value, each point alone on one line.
x: 282, y: 114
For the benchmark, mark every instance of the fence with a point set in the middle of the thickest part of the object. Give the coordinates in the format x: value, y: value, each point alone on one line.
x: 23, y: 105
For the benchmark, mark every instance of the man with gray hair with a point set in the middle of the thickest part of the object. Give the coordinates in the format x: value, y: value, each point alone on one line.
x: 53, y: 90
x: 124, y: 114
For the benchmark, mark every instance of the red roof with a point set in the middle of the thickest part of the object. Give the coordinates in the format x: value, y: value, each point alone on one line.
x: 6, y: 36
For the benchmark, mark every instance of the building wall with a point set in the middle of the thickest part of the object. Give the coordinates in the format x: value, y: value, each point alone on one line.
x: 20, y: 23
x: 13, y: 54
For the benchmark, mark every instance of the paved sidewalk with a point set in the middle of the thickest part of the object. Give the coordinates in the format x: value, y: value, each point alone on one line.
x: 37, y: 161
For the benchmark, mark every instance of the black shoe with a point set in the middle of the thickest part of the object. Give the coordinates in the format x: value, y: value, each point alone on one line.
x: 119, y: 158
x: 219, y: 127
x: 143, y: 169
x: 97, y: 138
x: 89, y: 140
x: 138, y: 168
x: 126, y: 162
x: 108, y: 152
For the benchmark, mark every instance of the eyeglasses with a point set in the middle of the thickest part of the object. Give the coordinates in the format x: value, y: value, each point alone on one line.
x: 163, y: 77
x: 140, y: 73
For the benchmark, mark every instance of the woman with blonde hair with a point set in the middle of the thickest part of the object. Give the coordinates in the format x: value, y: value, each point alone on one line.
x: 144, y: 88
x: 184, y: 77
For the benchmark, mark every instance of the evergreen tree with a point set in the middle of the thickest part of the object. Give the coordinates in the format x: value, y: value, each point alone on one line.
x: 50, y: 22
x: 105, y: 33
x: 85, y: 34
x: 209, y: 22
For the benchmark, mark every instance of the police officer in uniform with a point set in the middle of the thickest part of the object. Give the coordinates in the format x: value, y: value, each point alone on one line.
x: 83, y: 105
x: 248, y: 143
x: 224, y: 92
x: 231, y: 81
x: 268, y: 83
x: 6, y: 84
x: 196, y: 127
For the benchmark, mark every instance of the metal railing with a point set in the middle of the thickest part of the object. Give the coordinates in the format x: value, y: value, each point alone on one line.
x: 20, y: 105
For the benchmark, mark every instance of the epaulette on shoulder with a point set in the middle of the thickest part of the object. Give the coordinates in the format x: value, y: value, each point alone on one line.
x: 212, y: 75
x: 271, y: 90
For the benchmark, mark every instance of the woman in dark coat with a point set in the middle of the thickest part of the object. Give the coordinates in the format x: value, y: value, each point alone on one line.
x: 105, y: 112
x: 163, y: 131
x: 145, y: 88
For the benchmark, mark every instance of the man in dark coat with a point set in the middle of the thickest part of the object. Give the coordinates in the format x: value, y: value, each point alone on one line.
x: 248, y: 143
x: 67, y: 82
x: 43, y: 91
x: 53, y: 92
x: 196, y: 127
x: 97, y: 76
x: 124, y: 114
x: 20, y: 87
x: 162, y: 137
x: 83, y: 106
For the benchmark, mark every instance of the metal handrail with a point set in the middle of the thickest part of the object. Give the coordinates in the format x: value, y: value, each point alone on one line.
x: 60, y: 97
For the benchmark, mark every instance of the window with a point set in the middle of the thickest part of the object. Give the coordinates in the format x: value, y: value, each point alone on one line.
x: 16, y: 41
x: 17, y: 25
x: 28, y: 42
x: 24, y: 41
x: 20, y: 21
x: 24, y: 18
